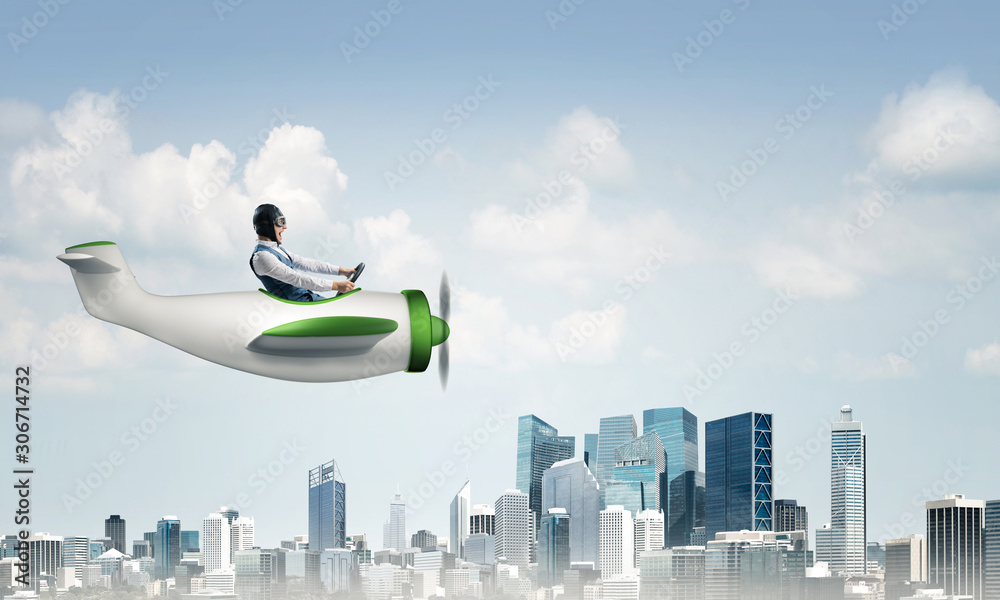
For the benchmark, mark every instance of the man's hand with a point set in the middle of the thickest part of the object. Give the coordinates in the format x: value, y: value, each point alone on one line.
x: 343, y: 286
x: 348, y: 271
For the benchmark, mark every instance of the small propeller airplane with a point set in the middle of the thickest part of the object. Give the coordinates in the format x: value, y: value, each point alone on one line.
x: 351, y: 336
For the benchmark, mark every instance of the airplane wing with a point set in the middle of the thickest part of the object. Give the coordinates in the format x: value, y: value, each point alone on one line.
x: 323, y: 336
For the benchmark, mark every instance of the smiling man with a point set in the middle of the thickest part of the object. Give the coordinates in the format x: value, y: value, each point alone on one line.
x: 276, y: 266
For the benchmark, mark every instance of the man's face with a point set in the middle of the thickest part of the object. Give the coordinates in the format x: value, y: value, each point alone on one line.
x: 279, y: 227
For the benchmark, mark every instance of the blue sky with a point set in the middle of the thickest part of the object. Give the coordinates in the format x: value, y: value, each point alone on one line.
x: 263, y: 100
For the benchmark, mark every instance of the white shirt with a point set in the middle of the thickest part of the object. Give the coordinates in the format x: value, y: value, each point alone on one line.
x: 265, y: 263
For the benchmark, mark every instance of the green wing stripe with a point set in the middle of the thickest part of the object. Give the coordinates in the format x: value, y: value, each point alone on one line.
x: 280, y: 299
x: 334, y: 327
x: 91, y: 244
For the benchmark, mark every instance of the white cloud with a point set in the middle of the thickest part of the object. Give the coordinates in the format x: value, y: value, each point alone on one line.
x: 781, y: 265
x: 590, y: 337
x: 984, y: 361
x: 389, y: 243
x: 590, y: 147
x: 888, y: 366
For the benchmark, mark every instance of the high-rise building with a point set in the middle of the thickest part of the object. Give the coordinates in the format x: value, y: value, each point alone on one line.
x: 629, y: 494
x: 189, y: 541
x: 459, y: 520
x: 114, y: 528
x: 676, y: 573
x: 513, y: 525
x: 231, y: 513
x: 614, y: 432
x: 906, y: 560
x: 338, y: 570
x: 643, y: 460
x: 683, y: 495
x: 789, y: 515
x: 617, y: 542
x: 571, y: 485
x: 480, y: 548
x: 482, y: 519
x: 253, y: 574
x: 648, y: 532
x: 216, y: 539
x: 140, y: 549
x: 955, y: 545
x: 44, y: 557
x: 75, y: 554
x: 327, y: 507
x: 168, y: 546
x: 590, y: 450
x: 423, y: 539
x: 148, y: 536
x: 848, y: 504
x: 991, y: 550
x: 553, y: 547
x: 738, y: 474
x: 394, y: 530
x: 539, y: 446
x: 241, y: 533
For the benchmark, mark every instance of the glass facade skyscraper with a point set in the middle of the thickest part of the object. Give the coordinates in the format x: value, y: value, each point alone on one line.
x: 738, y: 474
x: 570, y: 485
x: 683, y: 497
x: 167, y: 554
x: 114, y: 528
x: 327, y: 507
x: 614, y: 432
x: 991, y: 550
x: 590, y: 450
x: 955, y: 545
x: 189, y: 541
x: 848, y: 504
x: 643, y: 460
x: 539, y: 446
x: 459, y: 520
x: 553, y: 547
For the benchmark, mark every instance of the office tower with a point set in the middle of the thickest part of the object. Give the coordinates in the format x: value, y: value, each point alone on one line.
x: 790, y: 516
x: 216, y: 540
x: 112, y: 565
x: 423, y: 539
x: 848, y: 506
x: 875, y: 552
x: 675, y: 573
x: 648, y: 532
x: 302, y: 572
x: 955, y: 545
x: 149, y: 537
x: 8, y: 546
x: 253, y: 574
x: 230, y: 513
x: 629, y: 494
x: 76, y: 554
x: 905, y: 564
x: 241, y: 533
x: 140, y: 549
x: 190, y: 541
x: 459, y: 520
x: 394, y: 530
x: 114, y: 528
x: 553, y: 547
x: 738, y: 489
x: 327, y: 507
x: 337, y: 570
x: 539, y: 446
x: 617, y: 542
x: 991, y: 550
x: 643, y: 460
x: 683, y: 503
x: 44, y: 556
x: 614, y: 432
x: 590, y: 450
x: 571, y: 485
x: 512, y: 534
x: 480, y: 548
x: 482, y: 519
x: 168, y: 546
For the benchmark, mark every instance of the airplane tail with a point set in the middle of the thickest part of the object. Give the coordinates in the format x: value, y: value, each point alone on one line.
x: 107, y: 286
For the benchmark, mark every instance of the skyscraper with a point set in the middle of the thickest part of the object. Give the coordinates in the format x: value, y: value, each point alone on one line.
x: 75, y: 555
x: 955, y: 545
x: 512, y: 535
x: 190, y: 541
x: 643, y: 460
x: 216, y: 541
x: 789, y: 515
x: 230, y: 513
x: 253, y: 574
x: 553, y: 547
x: 614, y: 432
x: 394, y: 534
x: 539, y: 446
x: 617, y: 542
x: 571, y: 485
x: 459, y: 521
x: 738, y: 488
x: 648, y: 532
x: 44, y: 556
x: 906, y: 560
x: 114, y: 528
x: 168, y: 547
x: 327, y: 507
x: 683, y: 496
x: 482, y: 520
x: 991, y: 550
x: 848, y: 504
x: 590, y: 450
x: 241, y: 536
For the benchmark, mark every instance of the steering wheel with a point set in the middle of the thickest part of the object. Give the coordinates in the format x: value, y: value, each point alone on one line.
x: 353, y: 278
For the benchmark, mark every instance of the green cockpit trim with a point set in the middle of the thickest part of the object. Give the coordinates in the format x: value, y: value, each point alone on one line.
x: 270, y: 295
x: 420, y: 331
x: 334, y: 327
x: 91, y: 244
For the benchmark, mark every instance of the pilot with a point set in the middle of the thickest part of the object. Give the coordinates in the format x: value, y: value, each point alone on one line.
x: 276, y: 267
